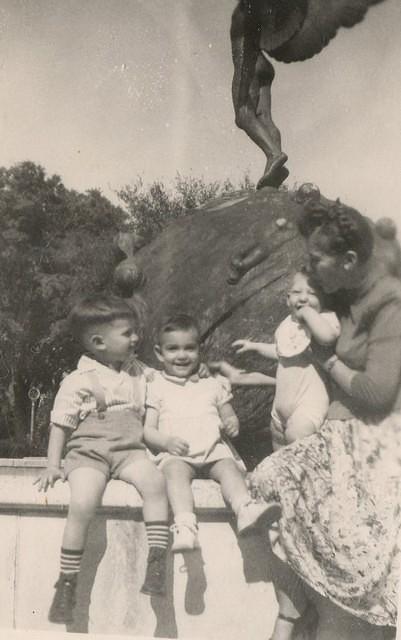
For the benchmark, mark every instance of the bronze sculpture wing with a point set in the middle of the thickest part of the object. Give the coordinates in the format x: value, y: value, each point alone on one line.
x: 322, y: 20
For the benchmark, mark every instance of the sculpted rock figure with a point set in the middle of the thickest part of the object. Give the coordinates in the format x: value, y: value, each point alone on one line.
x: 288, y: 31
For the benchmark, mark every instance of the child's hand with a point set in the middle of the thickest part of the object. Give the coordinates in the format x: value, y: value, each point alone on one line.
x: 243, y: 345
x: 49, y: 477
x: 227, y: 370
x: 299, y: 313
x: 177, y: 446
x: 231, y: 429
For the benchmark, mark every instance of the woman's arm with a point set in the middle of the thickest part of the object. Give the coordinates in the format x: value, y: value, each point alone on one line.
x: 265, y: 349
x: 156, y: 440
x: 377, y: 386
x: 321, y: 329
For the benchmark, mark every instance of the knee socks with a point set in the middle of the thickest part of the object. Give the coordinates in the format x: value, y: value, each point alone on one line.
x: 157, y: 533
x: 70, y: 561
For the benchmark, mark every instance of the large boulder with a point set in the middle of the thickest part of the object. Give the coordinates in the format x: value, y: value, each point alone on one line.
x: 188, y: 267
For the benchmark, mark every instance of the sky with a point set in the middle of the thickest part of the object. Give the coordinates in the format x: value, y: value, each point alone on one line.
x: 104, y: 91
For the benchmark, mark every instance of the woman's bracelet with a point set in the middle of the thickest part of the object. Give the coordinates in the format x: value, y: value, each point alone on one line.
x: 330, y: 363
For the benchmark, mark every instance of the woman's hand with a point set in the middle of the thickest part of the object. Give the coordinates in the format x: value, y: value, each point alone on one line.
x: 242, y: 346
x: 48, y: 477
x: 177, y: 446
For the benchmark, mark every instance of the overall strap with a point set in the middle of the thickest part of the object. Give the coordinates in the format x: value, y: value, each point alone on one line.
x: 97, y: 392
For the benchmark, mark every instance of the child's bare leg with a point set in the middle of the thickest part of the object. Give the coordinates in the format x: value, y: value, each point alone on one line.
x: 150, y: 483
x: 234, y: 490
x: 87, y: 486
x: 179, y: 475
x: 299, y: 425
x: 232, y: 483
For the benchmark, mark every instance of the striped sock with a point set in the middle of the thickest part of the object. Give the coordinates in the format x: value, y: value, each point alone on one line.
x: 70, y: 561
x: 157, y: 533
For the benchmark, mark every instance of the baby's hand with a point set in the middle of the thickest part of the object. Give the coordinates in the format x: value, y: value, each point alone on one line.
x: 243, y: 345
x: 177, y: 446
x: 231, y: 429
x: 48, y: 477
x: 232, y: 373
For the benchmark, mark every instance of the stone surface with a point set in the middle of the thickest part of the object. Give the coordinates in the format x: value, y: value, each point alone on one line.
x: 187, y: 267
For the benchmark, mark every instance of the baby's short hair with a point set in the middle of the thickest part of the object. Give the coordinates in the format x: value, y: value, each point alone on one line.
x: 312, y: 282
x: 97, y: 310
x: 177, y: 322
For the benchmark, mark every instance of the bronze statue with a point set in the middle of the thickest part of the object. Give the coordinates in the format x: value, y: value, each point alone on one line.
x: 288, y: 31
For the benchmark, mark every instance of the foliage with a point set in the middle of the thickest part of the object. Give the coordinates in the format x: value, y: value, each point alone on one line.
x: 55, y: 245
x: 152, y: 207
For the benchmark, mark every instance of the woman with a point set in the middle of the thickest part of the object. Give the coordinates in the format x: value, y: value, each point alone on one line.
x: 338, y: 489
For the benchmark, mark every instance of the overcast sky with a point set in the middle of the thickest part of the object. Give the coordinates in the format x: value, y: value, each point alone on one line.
x: 102, y: 91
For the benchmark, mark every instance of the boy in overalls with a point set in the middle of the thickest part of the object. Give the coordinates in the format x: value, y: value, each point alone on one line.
x: 100, y: 409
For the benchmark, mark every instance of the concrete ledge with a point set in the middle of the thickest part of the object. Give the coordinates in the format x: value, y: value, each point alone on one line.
x: 18, y: 491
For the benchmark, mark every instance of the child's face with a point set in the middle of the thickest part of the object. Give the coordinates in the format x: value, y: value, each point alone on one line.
x: 179, y: 352
x: 302, y: 294
x: 116, y: 340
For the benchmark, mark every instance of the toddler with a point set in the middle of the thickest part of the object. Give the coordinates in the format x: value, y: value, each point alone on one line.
x: 187, y: 419
x: 301, y: 400
x: 99, y: 410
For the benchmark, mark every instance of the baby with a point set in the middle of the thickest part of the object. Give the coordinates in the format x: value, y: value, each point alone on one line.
x: 301, y: 400
x: 187, y: 421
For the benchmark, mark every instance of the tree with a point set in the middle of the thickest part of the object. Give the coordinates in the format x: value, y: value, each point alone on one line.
x: 55, y: 244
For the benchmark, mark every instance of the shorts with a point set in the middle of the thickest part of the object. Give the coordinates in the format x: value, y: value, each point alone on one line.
x: 107, y: 441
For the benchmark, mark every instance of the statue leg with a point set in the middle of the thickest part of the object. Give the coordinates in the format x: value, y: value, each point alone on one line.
x: 275, y: 172
x: 253, y: 75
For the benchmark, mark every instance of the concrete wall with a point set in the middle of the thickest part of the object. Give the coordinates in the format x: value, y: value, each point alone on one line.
x: 221, y: 591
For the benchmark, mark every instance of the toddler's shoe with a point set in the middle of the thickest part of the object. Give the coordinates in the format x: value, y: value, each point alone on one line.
x: 185, y: 537
x: 252, y: 514
x: 155, y: 578
x: 64, y: 600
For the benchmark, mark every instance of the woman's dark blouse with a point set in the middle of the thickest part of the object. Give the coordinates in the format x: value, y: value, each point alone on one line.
x: 370, y: 342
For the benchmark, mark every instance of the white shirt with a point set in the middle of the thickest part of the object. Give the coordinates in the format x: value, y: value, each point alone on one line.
x: 189, y: 408
x: 75, y: 398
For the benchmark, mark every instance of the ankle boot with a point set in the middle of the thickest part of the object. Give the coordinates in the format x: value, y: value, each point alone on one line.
x: 64, y: 599
x: 155, y: 579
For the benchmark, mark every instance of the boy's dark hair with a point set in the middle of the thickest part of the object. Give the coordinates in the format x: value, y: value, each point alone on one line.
x: 98, y: 309
x: 177, y: 322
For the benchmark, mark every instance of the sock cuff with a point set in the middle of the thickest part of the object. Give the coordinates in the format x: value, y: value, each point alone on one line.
x: 71, y: 552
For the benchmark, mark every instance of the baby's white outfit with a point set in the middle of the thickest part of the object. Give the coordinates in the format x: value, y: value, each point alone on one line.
x: 300, y: 387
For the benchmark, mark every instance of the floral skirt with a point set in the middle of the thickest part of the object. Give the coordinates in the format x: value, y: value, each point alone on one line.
x: 339, y: 491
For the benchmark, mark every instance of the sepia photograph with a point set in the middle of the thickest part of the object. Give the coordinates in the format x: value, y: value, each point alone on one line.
x: 200, y: 201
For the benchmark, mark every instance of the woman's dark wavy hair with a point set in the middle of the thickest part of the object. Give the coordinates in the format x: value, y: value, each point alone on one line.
x: 342, y: 228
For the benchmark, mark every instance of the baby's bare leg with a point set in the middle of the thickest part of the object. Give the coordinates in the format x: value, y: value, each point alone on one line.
x: 179, y: 475
x: 87, y: 486
x: 299, y: 425
x: 150, y: 483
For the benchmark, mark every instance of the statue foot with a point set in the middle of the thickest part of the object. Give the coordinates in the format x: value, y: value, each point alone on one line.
x: 275, y: 173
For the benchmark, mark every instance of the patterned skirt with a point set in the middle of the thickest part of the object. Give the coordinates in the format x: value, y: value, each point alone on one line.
x: 339, y: 491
